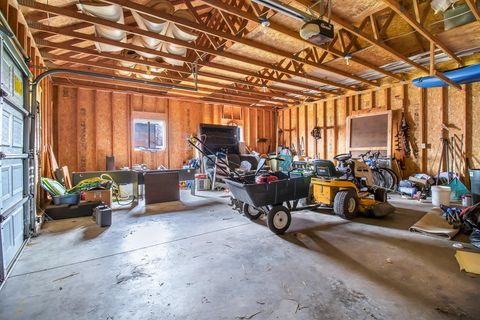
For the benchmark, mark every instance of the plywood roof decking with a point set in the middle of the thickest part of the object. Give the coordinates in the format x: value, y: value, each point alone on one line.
x: 279, y: 68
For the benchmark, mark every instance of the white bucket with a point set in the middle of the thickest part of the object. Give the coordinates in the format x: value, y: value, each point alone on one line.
x: 441, y: 195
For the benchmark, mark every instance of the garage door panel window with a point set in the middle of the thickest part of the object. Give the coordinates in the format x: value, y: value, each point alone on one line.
x: 149, y: 135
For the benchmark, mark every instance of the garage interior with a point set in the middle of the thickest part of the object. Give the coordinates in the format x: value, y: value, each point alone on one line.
x: 240, y: 159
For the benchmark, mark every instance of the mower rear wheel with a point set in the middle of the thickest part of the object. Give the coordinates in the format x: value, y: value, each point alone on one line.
x: 345, y: 204
x: 279, y: 219
x: 250, y: 212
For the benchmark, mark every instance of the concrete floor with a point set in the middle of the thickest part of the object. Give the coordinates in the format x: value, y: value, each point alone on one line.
x: 198, y: 259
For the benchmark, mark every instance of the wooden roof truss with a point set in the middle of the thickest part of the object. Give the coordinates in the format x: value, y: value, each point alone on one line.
x: 223, y: 25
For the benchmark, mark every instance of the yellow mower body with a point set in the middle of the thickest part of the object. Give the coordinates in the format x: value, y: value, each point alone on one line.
x: 324, y: 192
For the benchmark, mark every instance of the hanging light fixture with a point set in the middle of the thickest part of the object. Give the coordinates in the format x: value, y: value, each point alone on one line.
x: 264, y: 87
x: 347, y: 58
x: 265, y: 22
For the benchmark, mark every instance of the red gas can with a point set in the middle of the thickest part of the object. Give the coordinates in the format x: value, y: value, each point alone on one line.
x: 265, y: 178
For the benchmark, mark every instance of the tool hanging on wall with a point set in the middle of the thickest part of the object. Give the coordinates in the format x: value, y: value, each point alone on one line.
x: 302, y: 147
x: 316, y: 133
x: 398, y: 142
x: 404, y: 127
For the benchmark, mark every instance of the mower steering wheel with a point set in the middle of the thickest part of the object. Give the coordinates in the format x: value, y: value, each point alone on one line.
x: 343, y: 157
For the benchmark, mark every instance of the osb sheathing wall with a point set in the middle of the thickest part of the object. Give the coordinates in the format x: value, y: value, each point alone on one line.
x: 91, y: 124
x: 425, y: 109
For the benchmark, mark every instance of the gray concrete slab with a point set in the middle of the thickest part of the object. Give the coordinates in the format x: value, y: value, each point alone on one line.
x: 198, y: 259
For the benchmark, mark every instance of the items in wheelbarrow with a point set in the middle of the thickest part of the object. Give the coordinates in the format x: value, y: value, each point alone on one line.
x: 265, y: 178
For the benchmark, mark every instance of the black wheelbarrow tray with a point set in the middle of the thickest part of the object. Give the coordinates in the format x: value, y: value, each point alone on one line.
x: 269, y: 198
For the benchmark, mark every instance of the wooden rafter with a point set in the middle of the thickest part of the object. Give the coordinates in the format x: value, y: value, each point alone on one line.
x: 291, y: 33
x: 473, y: 8
x: 150, y: 63
x: 54, y: 30
x: 402, y: 12
x: 95, y: 83
x: 366, y: 37
x: 233, y: 38
x: 137, y: 31
x: 113, y: 67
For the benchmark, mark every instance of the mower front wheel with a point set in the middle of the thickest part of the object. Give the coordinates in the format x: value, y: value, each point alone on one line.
x: 345, y: 204
x: 250, y: 212
x: 278, y: 219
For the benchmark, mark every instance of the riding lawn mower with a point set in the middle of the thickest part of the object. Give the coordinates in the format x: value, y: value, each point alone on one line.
x: 348, y: 188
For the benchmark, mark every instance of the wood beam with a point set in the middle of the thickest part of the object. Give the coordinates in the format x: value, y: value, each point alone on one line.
x: 473, y: 8
x: 416, y: 10
x: 160, y: 91
x: 149, y: 63
x: 402, y: 12
x: 89, y: 84
x: 357, y: 32
x: 128, y: 46
x: 194, y: 26
x: 293, y: 34
x: 192, y: 46
x: 374, y: 25
x: 240, y: 93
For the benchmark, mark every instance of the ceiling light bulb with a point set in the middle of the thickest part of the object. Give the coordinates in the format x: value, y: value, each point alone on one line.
x: 347, y: 58
x: 264, y: 22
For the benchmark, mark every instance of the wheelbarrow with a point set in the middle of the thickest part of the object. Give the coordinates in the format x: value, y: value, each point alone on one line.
x: 276, y: 199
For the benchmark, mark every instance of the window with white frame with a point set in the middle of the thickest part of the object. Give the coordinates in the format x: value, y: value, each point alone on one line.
x: 149, y: 135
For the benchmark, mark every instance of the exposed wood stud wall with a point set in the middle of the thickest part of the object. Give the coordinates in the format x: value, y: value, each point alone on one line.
x: 92, y: 124
x: 425, y: 110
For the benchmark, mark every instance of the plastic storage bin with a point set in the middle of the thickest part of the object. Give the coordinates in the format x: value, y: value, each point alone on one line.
x: 67, y: 199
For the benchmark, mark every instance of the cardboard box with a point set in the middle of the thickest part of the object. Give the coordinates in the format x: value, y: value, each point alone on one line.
x: 99, y: 195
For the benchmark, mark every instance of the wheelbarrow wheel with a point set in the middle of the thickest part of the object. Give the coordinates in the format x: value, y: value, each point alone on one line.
x: 345, y: 204
x: 278, y: 219
x: 250, y: 212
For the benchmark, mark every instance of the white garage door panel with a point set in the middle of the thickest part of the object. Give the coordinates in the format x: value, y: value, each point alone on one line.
x: 13, y: 162
x: 12, y: 129
x: 12, y: 182
x: 12, y: 81
x: 12, y: 235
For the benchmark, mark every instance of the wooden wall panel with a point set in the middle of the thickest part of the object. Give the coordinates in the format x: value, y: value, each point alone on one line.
x: 341, y: 112
x: 311, y: 115
x: 253, y: 128
x: 472, y: 126
x: 434, y: 127
x: 67, y: 124
x: 89, y: 125
x: 287, y: 132
x: 121, y: 122
x: 86, y: 131
x: 330, y: 117
x: 425, y: 109
x: 294, y: 128
x: 302, y: 137
x: 103, y: 133
x: 268, y: 131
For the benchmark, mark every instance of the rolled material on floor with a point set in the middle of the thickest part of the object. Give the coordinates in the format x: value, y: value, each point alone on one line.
x: 433, y: 223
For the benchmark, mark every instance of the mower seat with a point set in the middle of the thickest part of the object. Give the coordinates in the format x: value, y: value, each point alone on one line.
x: 326, y: 169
